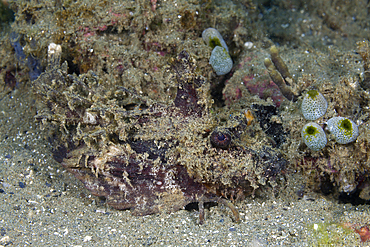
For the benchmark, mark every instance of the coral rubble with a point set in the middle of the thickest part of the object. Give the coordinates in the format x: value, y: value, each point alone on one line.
x: 279, y: 74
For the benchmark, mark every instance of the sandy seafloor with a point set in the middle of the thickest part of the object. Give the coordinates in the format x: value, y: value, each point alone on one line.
x: 43, y: 205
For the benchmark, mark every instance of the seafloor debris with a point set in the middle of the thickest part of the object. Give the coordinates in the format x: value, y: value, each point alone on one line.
x: 149, y: 156
x: 364, y: 233
x: 364, y: 51
x: 280, y: 75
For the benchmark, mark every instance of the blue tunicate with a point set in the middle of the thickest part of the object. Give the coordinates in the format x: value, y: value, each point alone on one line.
x: 34, y: 66
x: 14, y: 41
x: 32, y: 63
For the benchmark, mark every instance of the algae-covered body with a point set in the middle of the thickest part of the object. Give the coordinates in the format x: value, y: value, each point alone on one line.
x: 159, y: 157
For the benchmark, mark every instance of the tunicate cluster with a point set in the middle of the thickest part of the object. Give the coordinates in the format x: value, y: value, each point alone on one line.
x: 314, y: 105
x: 313, y: 136
x: 343, y: 129
x: 220, y: 59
